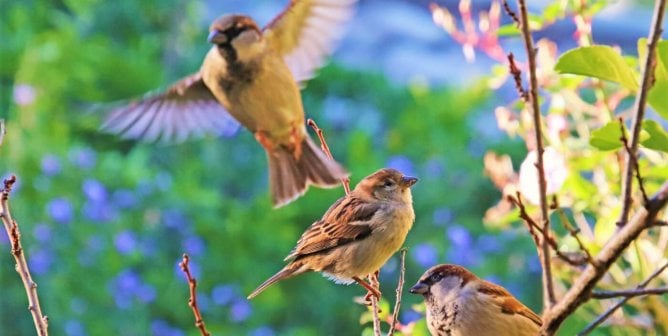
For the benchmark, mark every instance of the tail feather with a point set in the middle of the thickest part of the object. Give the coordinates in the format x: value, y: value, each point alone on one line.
x: 287, y: 272
x: 289, y: 177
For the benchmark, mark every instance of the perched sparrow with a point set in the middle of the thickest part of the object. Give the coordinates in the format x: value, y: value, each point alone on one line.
x: 358, y: 233
x: 253, y: 74
x: 461, y: 304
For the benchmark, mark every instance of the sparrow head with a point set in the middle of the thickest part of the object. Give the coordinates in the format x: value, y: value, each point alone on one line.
x: 387, y: 184
x: 443, y: 281
x: 236, y: 31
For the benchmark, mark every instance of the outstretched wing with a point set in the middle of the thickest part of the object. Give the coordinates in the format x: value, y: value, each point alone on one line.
x: 186, y: 110
x: 346, y: 221
x: 307, y: 32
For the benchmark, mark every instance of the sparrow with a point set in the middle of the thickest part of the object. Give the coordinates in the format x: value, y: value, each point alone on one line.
x: 461, y: 304
x: 251, y: 76
x: 357, y: 235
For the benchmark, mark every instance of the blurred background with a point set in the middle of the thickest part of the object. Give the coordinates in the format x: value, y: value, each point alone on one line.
x: 105, y: 221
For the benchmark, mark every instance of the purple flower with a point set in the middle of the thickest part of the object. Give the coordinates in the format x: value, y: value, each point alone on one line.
x: 98, y: 211
x: 24, y: 94
x: 262, y: 331
x: 74, y: 328
x: 224, y: 294
x: 162, y: 328
x: 434, y: 168
x: 125, y: 242
x: 84, y: 158
x: 425, y: 255
x: 409, y: 316
x: 402, y: 164
x: 127, y: 281
x: 40, y: 261
x: 42, y: 232
x: 146, y: 293
x: 442, y: 216
x: 240, y: 310
x: 50, y: 165
x: 460, y: 236
x: 176, y: 219
x: 124, y: 198
x: 94, y: 190
x: 488, y: 244
x: 194, y: 245
x: 60, y: 210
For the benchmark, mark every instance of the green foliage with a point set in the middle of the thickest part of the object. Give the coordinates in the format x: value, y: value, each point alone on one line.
x: 598, y: 61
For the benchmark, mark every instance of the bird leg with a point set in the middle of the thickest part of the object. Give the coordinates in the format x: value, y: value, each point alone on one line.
x: 263, y: 138
x: 296, y: 141
x: 372, y: 291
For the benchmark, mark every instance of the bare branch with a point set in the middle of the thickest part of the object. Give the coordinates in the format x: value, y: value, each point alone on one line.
x: 612, y: 309
x: 373, y: 280
x: 629, y: 293
x: 572, y: 230
x: 634, y: 158
x: 12, y: 228
x: 510, y: 12
x: 580, y: 291
x: 400, y: 287
x: 548, y: 285
x: 323, y: 144
x: 639, y: 106
x: 192, y: 301
x: 517, y: 76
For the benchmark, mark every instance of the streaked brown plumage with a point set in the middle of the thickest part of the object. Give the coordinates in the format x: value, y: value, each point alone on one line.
x: 461, y: 304
x: 253, y: 75
x: 357, y: 234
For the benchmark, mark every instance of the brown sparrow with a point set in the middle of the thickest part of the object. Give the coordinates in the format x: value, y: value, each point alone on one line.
x: 461, y: 304
x: 358, y: 233
x: 254, y: 75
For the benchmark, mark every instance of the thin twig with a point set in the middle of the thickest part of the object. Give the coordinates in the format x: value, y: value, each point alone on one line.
x: 548, y: 285
x: 192, y: 301
x: 621, y: 302
x: 373, y: 280
x: 572, y: 230
x: 639, y: 107
x: 323, y: 144
x: 634, y: 158
x: 629, y: 293
x: 510, y: 12
x: 660, y: 223
x: 581, y: 287
x: 400, y: 287
x: 12, y: 228
x: 517, y: 76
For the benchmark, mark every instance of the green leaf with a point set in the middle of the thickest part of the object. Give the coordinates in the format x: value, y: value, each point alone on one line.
x: 657, y: 94
x: 508, y: 30
x: 658, y: 137
x: 600, y: 62
x: 607, y: 137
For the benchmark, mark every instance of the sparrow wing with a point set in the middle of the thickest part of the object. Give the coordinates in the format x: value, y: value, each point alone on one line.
x: 508, y: 303
x: 186, y: 109
x: 346, y: 221
x: 306, y: 32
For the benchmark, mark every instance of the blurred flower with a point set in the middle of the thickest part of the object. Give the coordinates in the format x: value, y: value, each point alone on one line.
x: 224, y: 294
x: 24, y: 94
x: 60, y: 210
x: 442, y: 216
x: 263, y: 331
x: 124, y: 198
x: 94, y: 244
x: 192, y: 265
x: 83, y: 158
x: 42, y: 232
x: 390, y: 267
x: 4, y: 239
x: 124, y: 286
x: 425, y: 255
x: 240, y: 310
x: 193, y: 245
x: 555, y: 174
x: 176, y: 219
x: 39, y: 261
x: 434, y: 168
x: 50, y: 165
x: 459, y: 236
x: 74, y: 328
x: 125, y: 242
x: 162, y: 328
x: 409, y: 316
x: 556, y: 123
x: 146, y: 293
x: 402, y: 164
x: 488, y: 244
x: 94, y: 190
x: 98, y: 211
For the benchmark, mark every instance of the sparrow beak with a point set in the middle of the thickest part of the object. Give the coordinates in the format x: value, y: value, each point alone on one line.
x: 420, y: 288
x: 409, y: 181
x: 217, y: 37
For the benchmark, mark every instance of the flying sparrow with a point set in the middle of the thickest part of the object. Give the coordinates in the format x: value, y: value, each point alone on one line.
x: 358, y: 233
x: 461, y: 304
x: 253, y: 75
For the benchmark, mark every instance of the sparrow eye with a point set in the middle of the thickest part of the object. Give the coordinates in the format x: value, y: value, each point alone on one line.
x: 436, y: 277
x: 388, y: 183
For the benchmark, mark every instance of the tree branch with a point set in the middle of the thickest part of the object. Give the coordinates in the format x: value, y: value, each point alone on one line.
x: 634, y: 158
x: 12, y: 228
x: 579, y: 293
x: 629, y: 293
x: 192, y: 301
x: 548, y: 285
x: 612, y: 309
x: 323, y: 144
x: 639, y: 107
x: 400, y: 287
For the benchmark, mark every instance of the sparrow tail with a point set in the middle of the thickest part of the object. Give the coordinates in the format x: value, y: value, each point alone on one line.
x: 287, y: 272
x: 289, y: 177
